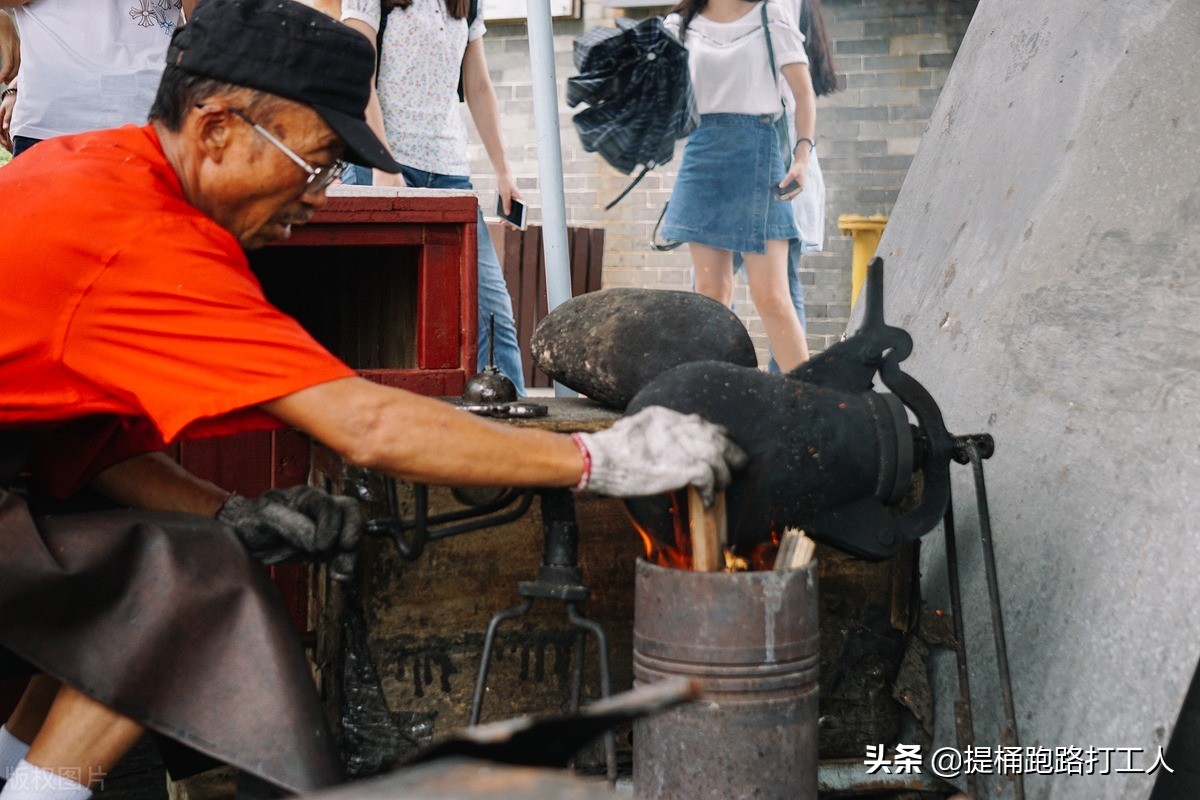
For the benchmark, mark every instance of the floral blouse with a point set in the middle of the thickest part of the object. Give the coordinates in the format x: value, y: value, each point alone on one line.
x: 422, y: 56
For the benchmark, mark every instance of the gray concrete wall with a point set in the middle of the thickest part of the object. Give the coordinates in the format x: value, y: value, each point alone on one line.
x: 1043, y: 255
x: 894, y: 57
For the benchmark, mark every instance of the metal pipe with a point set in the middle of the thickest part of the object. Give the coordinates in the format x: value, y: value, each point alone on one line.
x: 486, y: 659
x: 964, y: 717
x: 610, y: 742
x: 1008, y: 734
x: 549, y: 149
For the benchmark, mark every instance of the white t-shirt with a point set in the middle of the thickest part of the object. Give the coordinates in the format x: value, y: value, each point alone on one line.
x: 422, y: 57
x: 89, y: 64
x: 728, y: 61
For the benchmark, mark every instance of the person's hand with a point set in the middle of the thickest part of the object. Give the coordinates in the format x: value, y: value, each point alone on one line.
x: 10, y: 49
x: 381, y: 178
x: 657, y: 450
x: 507, y: 190
x: 288, y: 524
x: 6, y: 112
x: 797, y: 173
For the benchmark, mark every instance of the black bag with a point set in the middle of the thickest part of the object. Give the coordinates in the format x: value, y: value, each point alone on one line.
x: 635, y: 78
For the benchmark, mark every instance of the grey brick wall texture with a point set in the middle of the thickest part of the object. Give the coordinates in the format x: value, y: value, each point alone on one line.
x: 893, y: 58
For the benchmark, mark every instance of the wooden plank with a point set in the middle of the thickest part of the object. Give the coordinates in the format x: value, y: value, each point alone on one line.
x: 528, y: 283
x: 290, y: 457
x: 707, y: 527
x: 543, y: 308
x: 468, y: 342
x: 578, y: 258
x: 439, y: 316
x: 431, y: 383
x: 392, y: 233
x: 417, y: 206
x: 595, y: 260
x: 239, y: 463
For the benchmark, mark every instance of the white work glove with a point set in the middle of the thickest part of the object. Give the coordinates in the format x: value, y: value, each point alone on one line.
x: 657, y: 450
x: 297, y: 523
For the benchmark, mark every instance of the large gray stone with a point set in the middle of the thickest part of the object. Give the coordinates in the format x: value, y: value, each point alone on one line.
x: 1043, y: 254
x: 609, y: 344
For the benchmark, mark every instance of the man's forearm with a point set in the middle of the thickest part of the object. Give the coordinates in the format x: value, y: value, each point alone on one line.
x: 152, y: 480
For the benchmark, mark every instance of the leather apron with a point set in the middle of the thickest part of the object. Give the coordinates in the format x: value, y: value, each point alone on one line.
x: 164, y: 618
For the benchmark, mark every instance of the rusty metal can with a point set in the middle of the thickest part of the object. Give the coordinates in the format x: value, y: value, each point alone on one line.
x: 751, y: 640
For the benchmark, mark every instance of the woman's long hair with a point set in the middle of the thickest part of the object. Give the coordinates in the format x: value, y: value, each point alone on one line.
x: 812, y: 25
x: 457, y: 8
x: 816, y: 46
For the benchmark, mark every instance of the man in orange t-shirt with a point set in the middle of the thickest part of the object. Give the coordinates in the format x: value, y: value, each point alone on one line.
x: 131, y: 319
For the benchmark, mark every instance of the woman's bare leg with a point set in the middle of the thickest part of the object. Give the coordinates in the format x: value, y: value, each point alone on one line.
x: 713, y: 269
x: 768, y: 278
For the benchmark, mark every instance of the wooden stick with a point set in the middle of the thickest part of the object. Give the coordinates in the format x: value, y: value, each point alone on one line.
x: 795, y: 550
x: 708, y: 530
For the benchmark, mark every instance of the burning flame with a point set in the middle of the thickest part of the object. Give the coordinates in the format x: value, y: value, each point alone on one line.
x: 673, y: 548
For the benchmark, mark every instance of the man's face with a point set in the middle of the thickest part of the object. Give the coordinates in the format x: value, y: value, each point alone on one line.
x: 255, y: 190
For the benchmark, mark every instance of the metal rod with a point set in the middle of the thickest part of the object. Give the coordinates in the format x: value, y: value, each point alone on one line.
x: 492, y: 341
x: 610, y: 742
x: 577, y: 673
x: 498, y: 519
x: 486, y: 659
x: 964, y: 717
x: 549, y: 150
x: 1008, y: 733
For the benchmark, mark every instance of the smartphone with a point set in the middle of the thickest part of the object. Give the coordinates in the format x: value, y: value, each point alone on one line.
x: 786, y: 190
x: 518, y: 214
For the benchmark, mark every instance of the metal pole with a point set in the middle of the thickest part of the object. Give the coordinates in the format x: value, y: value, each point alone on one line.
x: 549, y: 150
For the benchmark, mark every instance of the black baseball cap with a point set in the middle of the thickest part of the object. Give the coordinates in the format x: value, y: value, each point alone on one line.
x: 288, y: 49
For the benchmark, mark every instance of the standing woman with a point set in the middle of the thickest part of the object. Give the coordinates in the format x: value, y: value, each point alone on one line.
x: 723, y: 202
x: 427, y: 45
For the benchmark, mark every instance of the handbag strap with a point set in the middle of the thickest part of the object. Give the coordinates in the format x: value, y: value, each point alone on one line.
x: 787, y: 156
x: 662, y: 248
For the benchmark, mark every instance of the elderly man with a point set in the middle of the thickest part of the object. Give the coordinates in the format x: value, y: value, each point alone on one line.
x: 130, y: 319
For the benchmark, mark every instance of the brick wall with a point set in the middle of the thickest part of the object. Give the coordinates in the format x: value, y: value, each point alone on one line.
x: 893, y: 58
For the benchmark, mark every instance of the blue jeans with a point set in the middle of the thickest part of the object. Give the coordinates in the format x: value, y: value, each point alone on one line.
x: 22, y: 143
x: 493, y: 296
x: 795, y: 288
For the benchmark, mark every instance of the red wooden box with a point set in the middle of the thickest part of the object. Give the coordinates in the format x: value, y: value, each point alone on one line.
x: 386, y: 279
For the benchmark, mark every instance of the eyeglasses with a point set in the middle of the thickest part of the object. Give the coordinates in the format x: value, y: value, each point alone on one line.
x: 319, y: 178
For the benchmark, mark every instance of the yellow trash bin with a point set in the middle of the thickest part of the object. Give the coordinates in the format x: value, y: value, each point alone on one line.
x: 866, y: 232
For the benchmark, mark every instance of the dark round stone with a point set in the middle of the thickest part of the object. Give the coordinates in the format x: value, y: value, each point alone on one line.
x: 607, y: 345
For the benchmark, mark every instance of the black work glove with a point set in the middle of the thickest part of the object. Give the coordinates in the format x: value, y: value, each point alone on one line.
x: 298, y: 523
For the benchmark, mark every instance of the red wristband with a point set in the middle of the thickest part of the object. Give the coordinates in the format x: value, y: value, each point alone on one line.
x: 587, y: 463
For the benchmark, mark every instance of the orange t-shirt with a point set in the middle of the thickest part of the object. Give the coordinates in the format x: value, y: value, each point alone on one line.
x: 121, y: 299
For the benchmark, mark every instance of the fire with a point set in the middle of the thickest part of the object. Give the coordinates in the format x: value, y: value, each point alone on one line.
x: 677, y: 554
x: 673, y: 548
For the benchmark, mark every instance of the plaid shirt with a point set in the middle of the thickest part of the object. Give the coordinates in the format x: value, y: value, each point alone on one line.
x: 635, y: 78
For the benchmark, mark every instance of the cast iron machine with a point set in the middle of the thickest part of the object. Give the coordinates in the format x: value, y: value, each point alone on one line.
x: 828, y: 453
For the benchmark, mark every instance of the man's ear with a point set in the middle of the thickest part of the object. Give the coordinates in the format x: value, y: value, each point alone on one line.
x: 213, y: 130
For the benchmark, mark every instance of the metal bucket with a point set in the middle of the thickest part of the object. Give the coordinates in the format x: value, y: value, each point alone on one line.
x: 751, y: 639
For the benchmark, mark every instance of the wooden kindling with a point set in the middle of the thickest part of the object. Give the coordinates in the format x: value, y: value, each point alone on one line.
x: 795, y: 550
x: 708, y: 532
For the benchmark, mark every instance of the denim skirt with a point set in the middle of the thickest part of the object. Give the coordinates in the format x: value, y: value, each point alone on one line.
x: 722, y: 195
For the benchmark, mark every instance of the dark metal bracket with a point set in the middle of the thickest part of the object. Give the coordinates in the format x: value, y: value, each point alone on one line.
x: 558, y: 578
x: 411, y: 535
